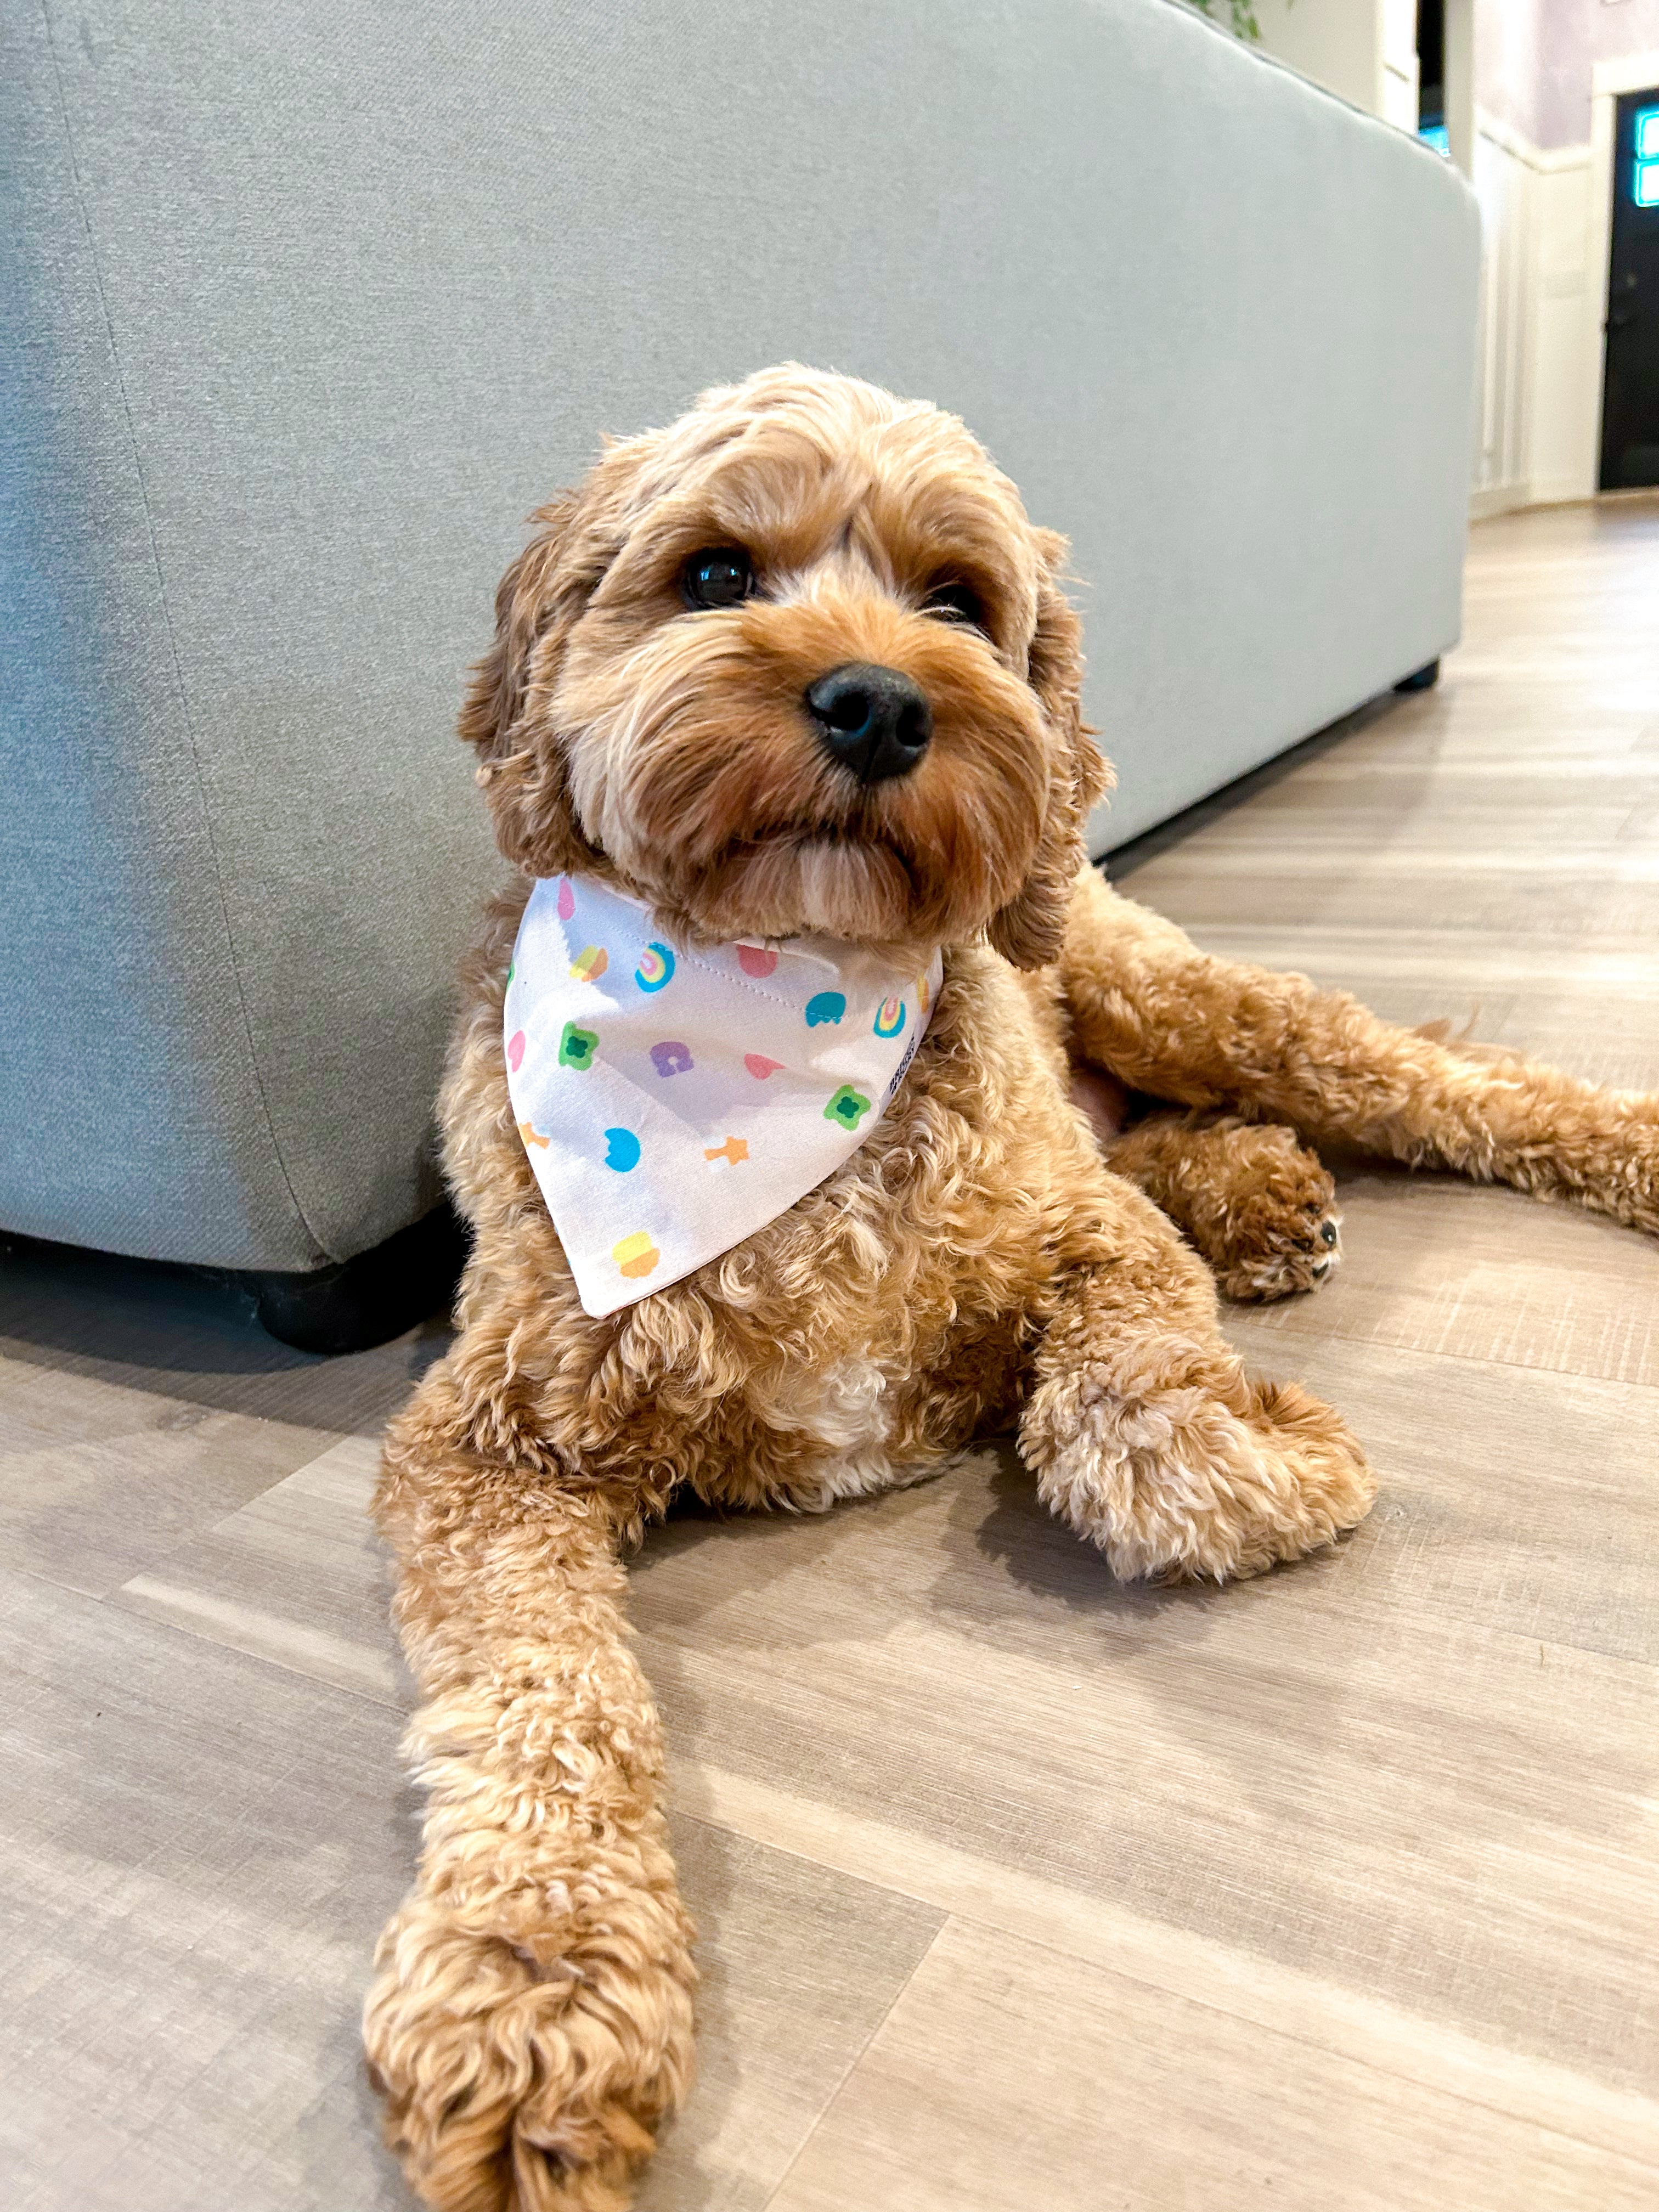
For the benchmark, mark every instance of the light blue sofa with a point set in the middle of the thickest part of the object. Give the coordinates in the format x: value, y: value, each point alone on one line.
x: 308, y: 304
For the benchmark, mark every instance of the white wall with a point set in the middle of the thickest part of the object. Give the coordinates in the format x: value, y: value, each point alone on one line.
x: 1508, y: 40
x: 1574, y: 36
x: 1401, y: 82
x: 1338, y: 43
x: 1543, y: 172
x: 1501, y: 181
x: 1534, y: 60
x: 1564, y: 409
x: 1365, y: 50
x: 1524, y: 70
x: 1538, y: 427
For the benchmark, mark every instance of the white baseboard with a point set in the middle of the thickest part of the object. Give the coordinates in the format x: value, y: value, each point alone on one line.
x: 1496, y: 499
x: 1545, y: 491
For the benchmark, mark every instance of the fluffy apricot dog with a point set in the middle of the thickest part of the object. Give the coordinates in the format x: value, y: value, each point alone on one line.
x: 798, y: 671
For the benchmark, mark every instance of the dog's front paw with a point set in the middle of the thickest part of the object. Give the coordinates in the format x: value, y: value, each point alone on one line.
x: 1179, y: 1469
x: 522, y: 2077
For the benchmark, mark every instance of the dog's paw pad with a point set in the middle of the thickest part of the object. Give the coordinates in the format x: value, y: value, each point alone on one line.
x: 1277, y: 1258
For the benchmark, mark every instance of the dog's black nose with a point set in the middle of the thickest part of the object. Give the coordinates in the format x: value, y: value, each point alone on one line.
x: 874, y: 720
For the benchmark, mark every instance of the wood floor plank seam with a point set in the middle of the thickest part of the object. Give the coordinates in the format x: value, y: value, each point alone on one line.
x: 182, y: 1602
x: 1611, y: 2119
x: 1066, y: 1963
x: 176, y: 1628
x: 1289, y: 1325
x: 1244, y: 1317
x: 1287, y: 1333
x: 1649, y: 2159
x: 855, y: 2063
x: 1146, y: 2103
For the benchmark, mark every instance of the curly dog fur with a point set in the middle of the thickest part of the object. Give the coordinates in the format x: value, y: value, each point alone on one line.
x: 991, y: 1255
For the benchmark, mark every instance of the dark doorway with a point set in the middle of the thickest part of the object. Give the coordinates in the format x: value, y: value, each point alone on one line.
x: 1431, y: 72
x: 1630, y: 395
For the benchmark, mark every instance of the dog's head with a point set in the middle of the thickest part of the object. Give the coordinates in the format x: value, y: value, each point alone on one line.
x: 798, y: 663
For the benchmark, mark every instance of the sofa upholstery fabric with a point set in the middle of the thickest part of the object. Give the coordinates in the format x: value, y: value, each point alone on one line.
x: 308, y: 304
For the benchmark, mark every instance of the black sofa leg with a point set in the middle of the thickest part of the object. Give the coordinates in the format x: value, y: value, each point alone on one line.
x: 367, y: 1300
x: 1421, y: 679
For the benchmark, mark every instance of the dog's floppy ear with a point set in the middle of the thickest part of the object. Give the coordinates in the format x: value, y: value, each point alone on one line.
x: 521, y: 765
x: 1028, y: 930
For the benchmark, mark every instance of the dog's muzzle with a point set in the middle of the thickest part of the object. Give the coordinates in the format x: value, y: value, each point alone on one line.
x: 875, y: 721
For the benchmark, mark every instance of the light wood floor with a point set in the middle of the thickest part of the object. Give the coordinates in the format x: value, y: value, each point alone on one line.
x: 1019, y: 1892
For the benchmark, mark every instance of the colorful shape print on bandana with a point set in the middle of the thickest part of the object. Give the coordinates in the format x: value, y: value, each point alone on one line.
x: 667, y: 1100
x: 577, y: 1045
x: 656, y: 968
x: 849, y: 1107
x: 621, y: 1150
x: 635, y: 1255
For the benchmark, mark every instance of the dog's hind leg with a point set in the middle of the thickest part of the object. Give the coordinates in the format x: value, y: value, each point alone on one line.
x: 1142, y: 1428
x: 531, y: 2020
x: 1261, y: 1208
x: 1165, y: 1018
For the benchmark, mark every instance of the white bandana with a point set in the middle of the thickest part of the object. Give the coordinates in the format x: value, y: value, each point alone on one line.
x: 672, y: 1103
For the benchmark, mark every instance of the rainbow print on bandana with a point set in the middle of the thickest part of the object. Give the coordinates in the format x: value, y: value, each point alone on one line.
x: 656, y: 968
x: 589, y: 963
x: 890, y: 1018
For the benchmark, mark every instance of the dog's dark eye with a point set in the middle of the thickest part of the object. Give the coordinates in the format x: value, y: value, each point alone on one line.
x: 721, y: 577
x: 956, y: 602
